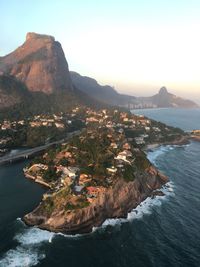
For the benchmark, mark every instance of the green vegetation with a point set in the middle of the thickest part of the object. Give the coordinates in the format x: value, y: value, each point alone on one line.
x: 50, y: 174
x: 129, y: 173
x: 48, y: 205
x: 80, y: 204
x: 141, y: 162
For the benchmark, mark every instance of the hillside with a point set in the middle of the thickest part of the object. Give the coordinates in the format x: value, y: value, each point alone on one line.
x: 105, y: 94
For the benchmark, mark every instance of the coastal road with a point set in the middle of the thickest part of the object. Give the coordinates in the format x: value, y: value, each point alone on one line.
x: 33, y: 151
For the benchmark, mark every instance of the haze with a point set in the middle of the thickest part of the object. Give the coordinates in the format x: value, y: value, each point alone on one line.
x: 135, y: 46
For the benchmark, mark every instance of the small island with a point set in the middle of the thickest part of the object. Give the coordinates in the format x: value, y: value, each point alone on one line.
x: 101, y: 173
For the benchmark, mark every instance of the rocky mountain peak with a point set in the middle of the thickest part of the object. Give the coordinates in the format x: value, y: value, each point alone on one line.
x: 163, y: 90
x: 40, y: 63
x: 33, y: 35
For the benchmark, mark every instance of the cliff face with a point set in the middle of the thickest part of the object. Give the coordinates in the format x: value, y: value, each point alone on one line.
x: 40, y: 63
x: 115, y: 202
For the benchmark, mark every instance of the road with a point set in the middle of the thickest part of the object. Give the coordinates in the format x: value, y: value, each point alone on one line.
x: 32, y: 151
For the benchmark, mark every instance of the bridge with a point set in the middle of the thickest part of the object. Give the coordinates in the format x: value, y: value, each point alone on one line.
x: 25, y: 154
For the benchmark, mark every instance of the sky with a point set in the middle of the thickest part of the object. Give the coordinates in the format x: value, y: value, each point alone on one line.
x: 137, y: 46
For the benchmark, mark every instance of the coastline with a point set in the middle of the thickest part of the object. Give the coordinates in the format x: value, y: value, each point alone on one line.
x: 84, y: 220
x: 36, y: 180
x: 179, y: 142
x: 195, y: 138
x: 116, y: 202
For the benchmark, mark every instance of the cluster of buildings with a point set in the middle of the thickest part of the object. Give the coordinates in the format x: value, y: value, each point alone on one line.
x: 90, y: 162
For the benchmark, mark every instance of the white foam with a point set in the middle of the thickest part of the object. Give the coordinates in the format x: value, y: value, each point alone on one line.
x: 147, y: 206
x: 144, y: 208
x: 20, y: 257
x: 28, y: 252
x: 157, y: 152
x: 33, y: 236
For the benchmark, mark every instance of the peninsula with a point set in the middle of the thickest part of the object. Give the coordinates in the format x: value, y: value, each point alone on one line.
x: 101, y: 173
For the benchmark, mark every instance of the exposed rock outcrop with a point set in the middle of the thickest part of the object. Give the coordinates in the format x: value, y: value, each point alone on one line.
x: 40, y: 63
x: 115, y: 202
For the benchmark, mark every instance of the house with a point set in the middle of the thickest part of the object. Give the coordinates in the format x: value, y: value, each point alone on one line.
x: 121, y: 131
x: 139, y: 140
x: 83, y: 179
x: 126, y: 146
x: 6, y: 125
x: 92, y: 119
x: 121, y: 157
x: 114, y: 145
x: 92, y: 191
x: 69, y: 171
x: 126, y: 153
x: 156, y: 129
x: 112, y: 169
x: 59, y: 125
x: 35, y: 123
x: 78, y: 189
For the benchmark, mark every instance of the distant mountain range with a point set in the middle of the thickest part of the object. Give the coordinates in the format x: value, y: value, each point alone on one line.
x: 165, y: 99
x: 105, y: 94
x: 35, y: 78
x: 109, y: 95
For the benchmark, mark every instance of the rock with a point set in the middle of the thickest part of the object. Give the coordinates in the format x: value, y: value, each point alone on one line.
x: 115, y: 202
x: 40, y: 63
x: 157, y: 193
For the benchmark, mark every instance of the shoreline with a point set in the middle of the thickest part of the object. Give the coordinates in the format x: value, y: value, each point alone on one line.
x: 183, y: 141
x: 28, y: 176
x: 127, y: 197
x: 195, y: 138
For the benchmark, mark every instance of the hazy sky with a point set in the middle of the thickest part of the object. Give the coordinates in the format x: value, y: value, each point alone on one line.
x: 137, y: 46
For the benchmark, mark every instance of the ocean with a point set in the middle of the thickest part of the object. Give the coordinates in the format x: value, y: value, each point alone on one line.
x: 160, y: 232
x: 186, y: 119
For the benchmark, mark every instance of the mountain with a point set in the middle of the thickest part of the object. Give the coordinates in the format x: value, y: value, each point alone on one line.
x: 109, y: 95
x: 39, y: 63
x: 105, y: 94
x: 35, y: 79
x: 166, y: 99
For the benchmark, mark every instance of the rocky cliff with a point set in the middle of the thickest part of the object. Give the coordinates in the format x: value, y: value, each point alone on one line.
x: 115, y: 202
x: 39, y: 63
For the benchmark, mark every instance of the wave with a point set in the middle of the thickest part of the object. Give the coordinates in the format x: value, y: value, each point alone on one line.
x: 28, y: 252
x: 154, y: 154
x: 144, y: 208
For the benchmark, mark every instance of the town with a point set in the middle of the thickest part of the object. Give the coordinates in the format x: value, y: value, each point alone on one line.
x: 109, y: 147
